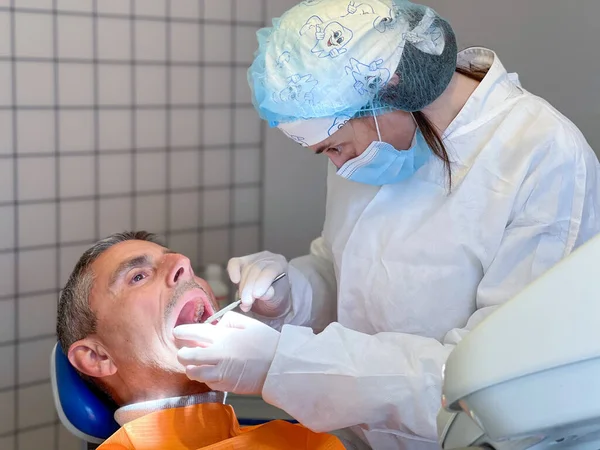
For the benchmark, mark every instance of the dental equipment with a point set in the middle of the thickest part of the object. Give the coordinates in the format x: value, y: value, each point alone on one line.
x: 237, y: 303
x: 527, y: 376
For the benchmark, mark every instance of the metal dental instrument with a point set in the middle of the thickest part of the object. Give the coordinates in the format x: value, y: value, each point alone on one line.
x: 235, y: 304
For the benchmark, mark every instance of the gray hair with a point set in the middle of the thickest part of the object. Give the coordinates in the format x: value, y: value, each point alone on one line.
x: 75, y: 318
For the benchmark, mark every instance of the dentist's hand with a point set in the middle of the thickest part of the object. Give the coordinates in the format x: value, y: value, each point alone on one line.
x: 232, y: 356
x: 255, y: 274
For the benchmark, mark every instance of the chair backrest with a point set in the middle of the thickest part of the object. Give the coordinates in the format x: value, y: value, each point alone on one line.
x: 80, y: 410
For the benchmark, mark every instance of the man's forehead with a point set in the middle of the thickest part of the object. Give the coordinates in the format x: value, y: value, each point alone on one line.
x: 110, y: 259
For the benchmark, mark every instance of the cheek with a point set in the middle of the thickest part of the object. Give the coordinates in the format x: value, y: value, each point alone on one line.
x: 127, y: 329
x: 363, y: 138
x: 361, y: 147
x: 338, y: 159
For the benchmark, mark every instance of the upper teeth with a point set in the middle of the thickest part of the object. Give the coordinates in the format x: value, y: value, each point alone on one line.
x: 198, y: 314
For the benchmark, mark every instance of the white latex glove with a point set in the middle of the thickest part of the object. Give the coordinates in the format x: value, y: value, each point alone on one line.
x: 255, y: 274
x: 232, y: 356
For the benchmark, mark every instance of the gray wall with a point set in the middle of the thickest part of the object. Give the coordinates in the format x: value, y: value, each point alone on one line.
x: 554, y: 46
x: 294, y: 185
x: 114, y: 114
x: 294, y: 195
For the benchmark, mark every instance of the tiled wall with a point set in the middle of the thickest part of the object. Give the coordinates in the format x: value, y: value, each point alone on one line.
x: 114, y: 114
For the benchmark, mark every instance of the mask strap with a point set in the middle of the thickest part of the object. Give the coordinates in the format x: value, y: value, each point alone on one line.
x: 377, y: 126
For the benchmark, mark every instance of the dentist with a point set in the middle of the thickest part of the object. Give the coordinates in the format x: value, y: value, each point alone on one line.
x: 450, y: 189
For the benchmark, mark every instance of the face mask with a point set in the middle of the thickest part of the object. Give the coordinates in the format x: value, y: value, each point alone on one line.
x: 382, y: 164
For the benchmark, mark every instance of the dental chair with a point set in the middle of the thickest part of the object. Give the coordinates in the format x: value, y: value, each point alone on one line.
x: 91, y: 418
x: 528, y: 376
x: 80, y: 410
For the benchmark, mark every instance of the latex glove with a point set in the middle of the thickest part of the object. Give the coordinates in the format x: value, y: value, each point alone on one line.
x: 232, y: 356
x: 255, y: 274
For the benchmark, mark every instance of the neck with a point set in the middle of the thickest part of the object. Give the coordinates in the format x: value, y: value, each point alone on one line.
x: 447, y: 106
x: 157, y: 388
x: 134, y: 411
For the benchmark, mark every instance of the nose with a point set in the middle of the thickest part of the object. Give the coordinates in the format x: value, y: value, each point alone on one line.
x: 180, y: 269
x: 338, y: 159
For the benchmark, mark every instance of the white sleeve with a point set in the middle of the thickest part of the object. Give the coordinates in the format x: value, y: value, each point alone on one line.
x: 391, y: 382
x: 313, y: 288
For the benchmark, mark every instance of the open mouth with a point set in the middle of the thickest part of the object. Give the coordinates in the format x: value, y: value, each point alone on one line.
x: 196, y: 310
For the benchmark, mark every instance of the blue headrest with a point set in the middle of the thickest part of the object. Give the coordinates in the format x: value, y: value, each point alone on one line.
x: 80, y: 410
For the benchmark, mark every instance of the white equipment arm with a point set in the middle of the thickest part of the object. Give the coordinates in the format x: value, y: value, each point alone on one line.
x: 529, y: 375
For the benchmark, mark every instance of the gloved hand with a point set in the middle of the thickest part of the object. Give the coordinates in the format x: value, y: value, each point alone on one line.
x: 232, y: 356
x: 255, y: 274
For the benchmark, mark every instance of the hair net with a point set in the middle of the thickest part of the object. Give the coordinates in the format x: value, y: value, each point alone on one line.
x: 324, y: 62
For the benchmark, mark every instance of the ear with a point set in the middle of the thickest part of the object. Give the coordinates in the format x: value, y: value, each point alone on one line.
x: 91, y: 358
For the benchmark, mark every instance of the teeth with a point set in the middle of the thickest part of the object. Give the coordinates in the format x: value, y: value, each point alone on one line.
x: 199, y: 311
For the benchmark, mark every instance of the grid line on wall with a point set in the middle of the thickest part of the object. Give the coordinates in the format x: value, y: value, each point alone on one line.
x: 14, y: 117
x: 232, y: 194
x: 57, y: 172
x: 168, y: 118
x: 133, y: 99
x: 90, y: 242
x: 26, y: 385
x: 21, y: 341
x: 126, y: 151
x: 200, y: 99
x: 27, y: 429
x: 96, y: 115
x: 43, y: 201
x: 124, y: 107
x: 112, y: 148
x: 119, y: 62
x: 263, y: 146
x: 138, y: 17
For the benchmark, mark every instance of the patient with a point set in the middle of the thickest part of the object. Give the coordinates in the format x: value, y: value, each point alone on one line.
x: 115, y: 320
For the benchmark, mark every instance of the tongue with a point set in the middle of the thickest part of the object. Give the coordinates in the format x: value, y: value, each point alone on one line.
x: 187, y: 314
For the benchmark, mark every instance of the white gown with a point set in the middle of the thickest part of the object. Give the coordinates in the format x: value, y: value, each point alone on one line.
x: 401, y: 273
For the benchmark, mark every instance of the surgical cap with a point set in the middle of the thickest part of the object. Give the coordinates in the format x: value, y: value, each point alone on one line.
x: 324, y: 62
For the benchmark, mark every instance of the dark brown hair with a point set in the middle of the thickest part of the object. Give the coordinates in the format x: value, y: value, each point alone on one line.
x: 432, y: 135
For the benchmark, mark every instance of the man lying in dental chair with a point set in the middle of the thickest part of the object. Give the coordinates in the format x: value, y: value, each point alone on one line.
x: 115, y: 323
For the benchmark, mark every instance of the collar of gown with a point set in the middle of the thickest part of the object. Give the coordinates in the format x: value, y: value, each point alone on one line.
x: 493, y: 91
x: 131, y: 412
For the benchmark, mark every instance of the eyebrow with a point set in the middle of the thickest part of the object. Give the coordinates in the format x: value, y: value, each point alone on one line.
x: 132, y: 263
x: 126, y: 266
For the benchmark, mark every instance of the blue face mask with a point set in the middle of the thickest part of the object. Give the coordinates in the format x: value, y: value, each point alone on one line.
x: 382, y: 164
